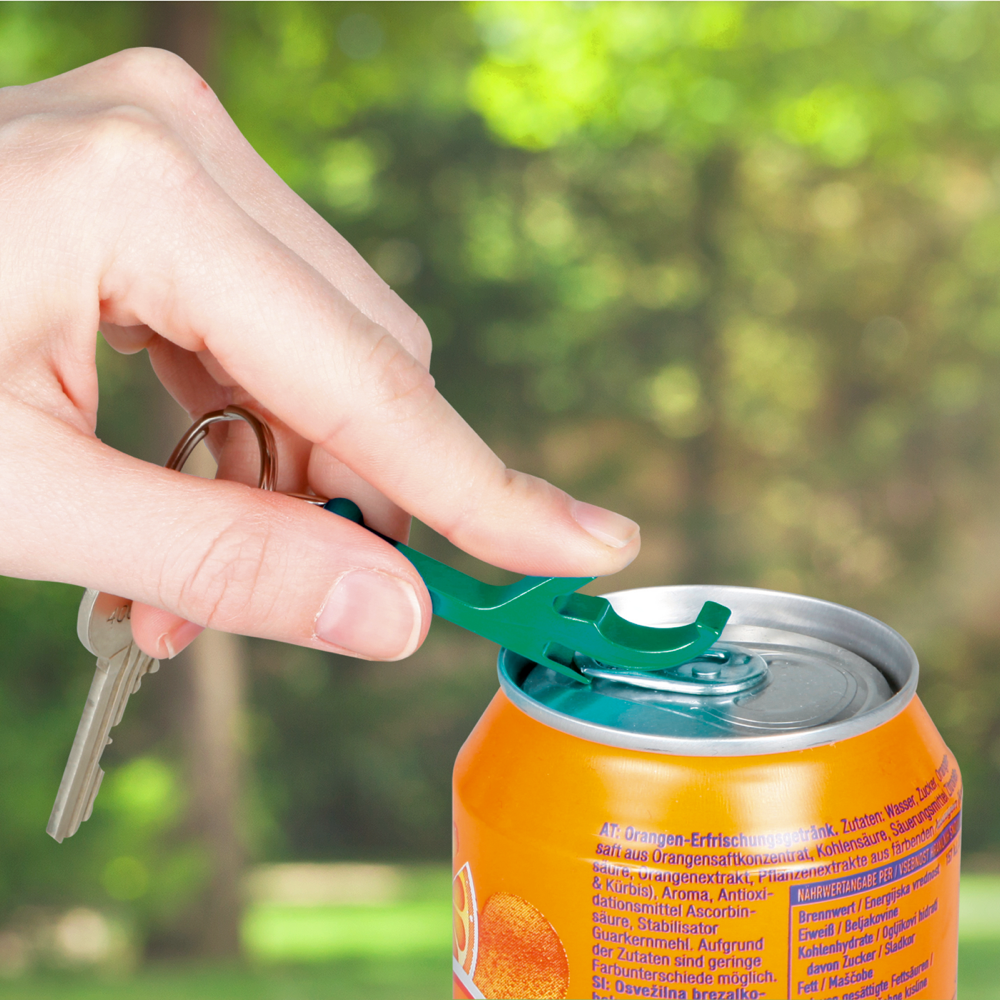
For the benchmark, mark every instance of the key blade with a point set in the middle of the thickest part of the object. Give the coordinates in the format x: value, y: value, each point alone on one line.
x: 82, y: 775
x: 135, y: 667
x: 99, y: 777
x: 146, y: 666
x: 104, y: 626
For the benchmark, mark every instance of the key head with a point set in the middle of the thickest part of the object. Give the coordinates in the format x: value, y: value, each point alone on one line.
x: 104, y: 623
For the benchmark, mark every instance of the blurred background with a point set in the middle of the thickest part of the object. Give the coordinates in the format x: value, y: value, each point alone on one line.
x: 731, y: 269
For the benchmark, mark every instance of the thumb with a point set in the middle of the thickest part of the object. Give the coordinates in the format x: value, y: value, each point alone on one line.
x: 215, y: 553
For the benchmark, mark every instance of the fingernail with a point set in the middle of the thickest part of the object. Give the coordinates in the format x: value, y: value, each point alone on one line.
x: 605, y: 525
x: 178, y: 638
x: 371, y: 614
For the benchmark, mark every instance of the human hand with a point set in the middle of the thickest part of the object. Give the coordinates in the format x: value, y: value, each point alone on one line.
x: 130, y: 203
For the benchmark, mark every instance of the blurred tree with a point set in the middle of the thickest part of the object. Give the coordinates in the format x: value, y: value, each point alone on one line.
x: 212, y: 718
x: 730, y: 268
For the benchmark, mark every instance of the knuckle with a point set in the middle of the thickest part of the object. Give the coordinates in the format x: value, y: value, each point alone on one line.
x: 411, y: 330
x: 102, y: 148
x: 150, y: 71
x: 492, y: 486
x: 219, y: 584
x: 421, y: 338
x: 127, y: 132
x: 401, y: 378
x: 129, y: 138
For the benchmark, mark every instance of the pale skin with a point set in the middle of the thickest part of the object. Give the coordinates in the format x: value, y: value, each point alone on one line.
x: 131, y: 204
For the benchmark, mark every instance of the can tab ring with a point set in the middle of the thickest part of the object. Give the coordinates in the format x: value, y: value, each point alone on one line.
x: 545, y: 620
x: 720, y: 671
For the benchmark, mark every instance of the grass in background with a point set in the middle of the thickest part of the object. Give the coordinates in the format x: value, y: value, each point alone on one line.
x: 979, y: 969
x: 979, y: 938
x: 416, y: 921
x: 287, y: 933
x: 412, y: 978
x: 401, y: 951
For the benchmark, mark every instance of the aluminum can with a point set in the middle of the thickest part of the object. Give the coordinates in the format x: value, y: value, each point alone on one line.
x: 779, y: 818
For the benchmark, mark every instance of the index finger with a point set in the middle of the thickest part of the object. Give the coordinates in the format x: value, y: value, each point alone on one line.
x: 340, y: 380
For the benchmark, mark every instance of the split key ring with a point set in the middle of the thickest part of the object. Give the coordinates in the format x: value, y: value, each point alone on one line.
x: 198, y: 431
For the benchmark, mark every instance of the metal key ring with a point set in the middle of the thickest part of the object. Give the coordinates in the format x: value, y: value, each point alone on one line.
x: 198, y: 431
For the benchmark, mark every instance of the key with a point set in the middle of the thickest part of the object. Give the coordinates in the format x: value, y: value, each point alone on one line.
x: 105, y: 628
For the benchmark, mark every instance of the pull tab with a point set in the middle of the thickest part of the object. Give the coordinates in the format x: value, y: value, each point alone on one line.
x: 720, y: 670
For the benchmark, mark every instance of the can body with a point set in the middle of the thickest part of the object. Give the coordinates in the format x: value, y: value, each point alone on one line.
x: 590, y: 870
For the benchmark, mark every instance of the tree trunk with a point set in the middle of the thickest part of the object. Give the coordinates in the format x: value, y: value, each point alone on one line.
x: 704, y: 459
x: 215, y: 662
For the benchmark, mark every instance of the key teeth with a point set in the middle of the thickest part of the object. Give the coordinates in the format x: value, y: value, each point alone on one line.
x: 93, y: 796
x: 150, y: 668
x: 117, y: 677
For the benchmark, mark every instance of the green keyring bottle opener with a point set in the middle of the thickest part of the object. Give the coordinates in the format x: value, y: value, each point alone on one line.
x: 542, y: 618
x: 547, y: 621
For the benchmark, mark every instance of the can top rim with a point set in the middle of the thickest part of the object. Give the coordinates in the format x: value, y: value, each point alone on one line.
x: 859, y: 633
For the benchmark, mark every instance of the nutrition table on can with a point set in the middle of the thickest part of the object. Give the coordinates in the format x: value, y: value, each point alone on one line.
x: 677, y: 915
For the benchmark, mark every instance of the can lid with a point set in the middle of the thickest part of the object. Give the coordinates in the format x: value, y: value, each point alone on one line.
x: 789, y: 672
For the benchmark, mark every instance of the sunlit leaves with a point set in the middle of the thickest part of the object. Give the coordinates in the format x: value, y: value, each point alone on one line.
x: 842, y: 81
x: 145, y: 793
x: 837, y: 120
x: 613, y: 71
x: 773, y: 382
x: 677, y: 401
x: 348, y: 173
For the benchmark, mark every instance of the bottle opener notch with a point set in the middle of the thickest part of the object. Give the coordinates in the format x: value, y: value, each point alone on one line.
x: 547, y: 621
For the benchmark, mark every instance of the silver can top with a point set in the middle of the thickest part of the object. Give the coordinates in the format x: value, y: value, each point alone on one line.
x: 788, y: 673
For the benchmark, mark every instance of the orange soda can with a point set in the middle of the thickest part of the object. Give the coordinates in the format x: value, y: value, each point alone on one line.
x: 778, y: 818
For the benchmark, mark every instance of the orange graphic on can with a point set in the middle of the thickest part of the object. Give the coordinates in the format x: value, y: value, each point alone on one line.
x: 519, y: 955
x: 466, y: 933
x: 788, y: 858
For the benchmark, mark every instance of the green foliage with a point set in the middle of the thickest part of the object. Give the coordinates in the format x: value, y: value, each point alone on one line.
x: 354, y: 759
x: 730, y: 268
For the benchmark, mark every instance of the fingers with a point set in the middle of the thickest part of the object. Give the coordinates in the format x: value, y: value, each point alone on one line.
x: 215, y: 553
x: 301, y: 468
x: 161, y: 634
x: 343, y: 382
x: 179, y: 256
x: 166, y: 86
